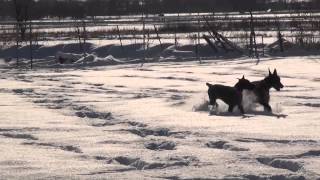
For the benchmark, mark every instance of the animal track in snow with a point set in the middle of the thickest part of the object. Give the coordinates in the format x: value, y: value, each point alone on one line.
x: 309, y: 154
x: 161, y: 145
x: 19, y: 136
x: 273, y: 177
x: 139, y: 164
x: 143, y: 132
x: 62, y: 147
x: 279, y: 141
x: 224, y: 145
x: 281, y: 163
x: 317, y: 105
x: 93, y: 114
x: 23, y: 91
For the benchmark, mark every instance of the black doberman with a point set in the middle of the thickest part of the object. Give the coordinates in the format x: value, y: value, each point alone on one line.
x: 262, y: 89
x: 230, y: 95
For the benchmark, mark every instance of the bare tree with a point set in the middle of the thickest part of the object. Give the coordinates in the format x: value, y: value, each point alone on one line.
x: 75, y: 8
x: 31, y: 44
x: 22, y: 15
x: 253, y: 43
x: 280, y: 38
x: 81, y: 34
x: 22, y: 10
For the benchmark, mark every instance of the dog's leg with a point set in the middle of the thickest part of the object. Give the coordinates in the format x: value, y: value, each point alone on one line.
x: 213, y: 105
x: 266, y: 106
x: 216, y: 105
x: 241, y: 108
x: 230, y: 108
x: 265, y: 101
x: 216, y: 108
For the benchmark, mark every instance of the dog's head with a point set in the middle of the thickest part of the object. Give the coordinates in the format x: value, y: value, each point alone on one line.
x: 210, y: 93
x: 244, y: 83
x: 274, y: 80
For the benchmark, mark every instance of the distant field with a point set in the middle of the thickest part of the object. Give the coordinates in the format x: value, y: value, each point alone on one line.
x: 182, y: 27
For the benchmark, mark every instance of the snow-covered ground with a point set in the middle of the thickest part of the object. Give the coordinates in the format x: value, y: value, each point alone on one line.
x: 151, y: 122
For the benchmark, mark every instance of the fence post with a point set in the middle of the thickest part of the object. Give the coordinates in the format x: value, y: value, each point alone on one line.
x: 262, y: 40
x: 198, y: 39
x: 84, y: 36
x: 30, y: 41
x: 17, y: 43
x: 120, y: 39
x: 253, y: 43
x: 158, y: 37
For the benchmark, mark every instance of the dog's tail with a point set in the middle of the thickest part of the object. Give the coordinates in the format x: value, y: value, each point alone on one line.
x: 208, y: 84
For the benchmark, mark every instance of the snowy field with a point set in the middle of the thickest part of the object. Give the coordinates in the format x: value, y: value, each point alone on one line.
x: 152, y: 122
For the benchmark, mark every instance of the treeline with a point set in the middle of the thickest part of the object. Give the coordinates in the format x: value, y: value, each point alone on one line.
x: 36, y: 9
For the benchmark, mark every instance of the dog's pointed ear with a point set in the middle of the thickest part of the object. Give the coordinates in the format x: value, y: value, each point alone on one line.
x: 208, y: 84
x: 275, y: 72
x: 269, y: 72
x: 243, y: 77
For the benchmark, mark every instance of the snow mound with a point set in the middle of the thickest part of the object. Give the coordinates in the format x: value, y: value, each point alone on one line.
x: 173, y: 51
x: 200, y: 104
x: 86, y: 59
x: 203, y: 106
x: 67, y: 58
x: 93, y: 60
x: 275, y: 46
